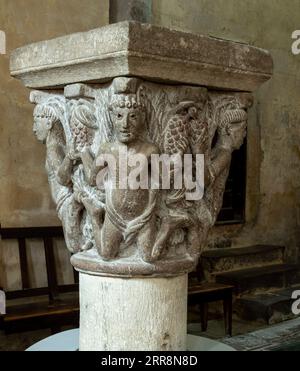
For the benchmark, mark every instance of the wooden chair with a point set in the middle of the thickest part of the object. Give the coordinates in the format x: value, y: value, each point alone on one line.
x: 49, y: 309
x: 203, y: 294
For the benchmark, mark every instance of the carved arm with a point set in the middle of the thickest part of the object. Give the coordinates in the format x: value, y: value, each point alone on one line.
x: 65, y: 171
x: 89, y: 166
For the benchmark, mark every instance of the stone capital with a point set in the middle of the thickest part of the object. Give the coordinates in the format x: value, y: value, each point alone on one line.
x: 145, y: 51
x: 151, y: 91
x: 138, y: 90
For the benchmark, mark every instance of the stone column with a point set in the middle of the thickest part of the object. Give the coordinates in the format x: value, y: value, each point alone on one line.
x: 136, y: 89
x: 134, y: 314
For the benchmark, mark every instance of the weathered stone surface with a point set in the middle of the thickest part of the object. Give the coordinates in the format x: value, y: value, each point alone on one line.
x: 89, y: 262
x: 133, y: 315
x: 141, y: 50
x: 215, y: 261
x: 272, y: 307
x: 137, y: 232
x: 272, y: 206
x: 130, y: 10
x: 25, y: 198
x: 144, y: 231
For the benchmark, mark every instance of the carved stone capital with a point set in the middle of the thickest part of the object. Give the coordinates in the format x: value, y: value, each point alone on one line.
x: 98, y: 126
x: 137, y: 232
x: 100, y: 129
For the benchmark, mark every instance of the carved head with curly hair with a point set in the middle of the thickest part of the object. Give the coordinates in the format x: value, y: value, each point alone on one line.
x: 127, y: 110
x: 46, y: 115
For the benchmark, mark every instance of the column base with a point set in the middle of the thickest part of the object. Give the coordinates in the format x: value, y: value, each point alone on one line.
x: 90, y: 262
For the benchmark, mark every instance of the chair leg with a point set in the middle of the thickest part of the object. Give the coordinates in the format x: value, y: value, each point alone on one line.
x: 204, y: 316
x: 227, y: 304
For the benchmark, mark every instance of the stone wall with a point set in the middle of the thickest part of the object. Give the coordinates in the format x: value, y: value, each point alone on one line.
x: 273, y: 180
x: 24, y: 197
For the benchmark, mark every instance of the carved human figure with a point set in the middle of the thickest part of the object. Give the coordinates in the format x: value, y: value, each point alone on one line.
x: 193, y: 131
x: 180, y: 122
x: 122, y: 121
x: 231, y: 132
x: 59, y: 165
x: 130, y: 213
x: 83, y: 125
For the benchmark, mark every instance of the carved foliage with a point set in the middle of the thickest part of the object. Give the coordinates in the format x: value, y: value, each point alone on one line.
x: 81, y: 123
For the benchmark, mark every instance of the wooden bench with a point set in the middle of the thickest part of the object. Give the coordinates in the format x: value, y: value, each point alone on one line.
x: 203, y: 294
x: 51, y: 307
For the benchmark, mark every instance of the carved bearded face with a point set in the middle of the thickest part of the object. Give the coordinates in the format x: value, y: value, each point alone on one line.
x: 43, y: 123
x: 127, y: 123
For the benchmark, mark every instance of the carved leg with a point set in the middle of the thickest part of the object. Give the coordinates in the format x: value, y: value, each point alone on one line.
x: 111, y: 239
x: 146, y: 240
x: 169, y: 224
x: 71, y: 225
x: 197, y: 234
x: 162, y: 238
x: 193, y: 239
x: 96, y: 216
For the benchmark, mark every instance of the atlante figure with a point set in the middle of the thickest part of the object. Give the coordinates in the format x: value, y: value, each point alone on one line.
x: 130, y: 213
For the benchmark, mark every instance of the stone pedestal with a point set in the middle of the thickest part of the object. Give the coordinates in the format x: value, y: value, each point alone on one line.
x: 133, y: 314
x: 123, y: 91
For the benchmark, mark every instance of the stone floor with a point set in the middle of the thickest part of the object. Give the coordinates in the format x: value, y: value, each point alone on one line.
x: 216, y: 330
x: 281, y: 337
x: 246, y: 336
x: 216, y: 325
x: 20, y: 342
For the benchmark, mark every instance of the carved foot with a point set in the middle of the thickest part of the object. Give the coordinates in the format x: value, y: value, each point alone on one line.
x: 157, y: 251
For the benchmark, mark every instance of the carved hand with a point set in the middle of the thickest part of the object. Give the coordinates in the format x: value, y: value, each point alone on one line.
x: 73, y: 155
